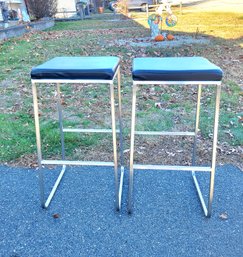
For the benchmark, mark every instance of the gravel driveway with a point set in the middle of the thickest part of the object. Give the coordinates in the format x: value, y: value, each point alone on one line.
x: 167, y: 219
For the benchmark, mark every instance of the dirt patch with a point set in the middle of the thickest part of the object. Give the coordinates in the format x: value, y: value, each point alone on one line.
x: 166, y: 151
x: 148, y: 42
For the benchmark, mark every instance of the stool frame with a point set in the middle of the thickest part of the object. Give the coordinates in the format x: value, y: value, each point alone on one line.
x: 64, y: 162
x: 207, y: 209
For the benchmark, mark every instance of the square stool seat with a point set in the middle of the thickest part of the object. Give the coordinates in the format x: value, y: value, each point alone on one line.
x: 175, y: 69
x: 95, y: 68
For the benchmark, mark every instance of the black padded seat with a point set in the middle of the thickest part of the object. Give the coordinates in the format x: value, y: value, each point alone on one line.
x: 175, y: 69
x: 77, y: 68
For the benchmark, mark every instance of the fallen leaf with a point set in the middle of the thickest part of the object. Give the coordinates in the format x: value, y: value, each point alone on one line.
x: 158, y: 105
x: 223, y: 216
x: 240, y: 119
x: 56, y: 216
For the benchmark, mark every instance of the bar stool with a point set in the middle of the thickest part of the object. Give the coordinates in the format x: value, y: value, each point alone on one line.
x: 177, y: 71
x: 70, y: 70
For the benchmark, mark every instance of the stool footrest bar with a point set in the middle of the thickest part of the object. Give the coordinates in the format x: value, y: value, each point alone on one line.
x: 81, y: 163
x: 164, y: 133
x: 170, y: 167
x: 89, y: 130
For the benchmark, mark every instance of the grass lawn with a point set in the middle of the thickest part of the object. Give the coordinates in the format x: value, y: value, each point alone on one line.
x: 88, y: 105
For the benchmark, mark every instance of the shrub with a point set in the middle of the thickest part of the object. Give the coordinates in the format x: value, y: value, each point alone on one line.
x: 42, y: 8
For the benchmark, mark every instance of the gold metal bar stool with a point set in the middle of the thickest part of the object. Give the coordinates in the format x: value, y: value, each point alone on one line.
x: 177, y: 71
x: 83, y: 70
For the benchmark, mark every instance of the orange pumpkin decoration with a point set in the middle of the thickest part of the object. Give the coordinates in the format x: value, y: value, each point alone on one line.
x: 159, y: 38
x: 170, y: 37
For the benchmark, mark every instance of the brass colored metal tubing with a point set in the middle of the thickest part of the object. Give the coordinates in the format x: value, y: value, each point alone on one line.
x: 137, y: 82
x: 199, y: 92
x: 120, y: 137
x: 120, y: 116
x: 81, y: 163
x: 214, y: 152
x: 38, y: 144
x: 121, y: 186
x: 73, y: 81
x: 113, y: 123
x: 130, y: 189
x: 170, y: 167
x: 197, y: 118
x: 199, y: 193
x: 89, y: 130
x: 59, y: 108
x: 54, y: 189
x: 164, y: 133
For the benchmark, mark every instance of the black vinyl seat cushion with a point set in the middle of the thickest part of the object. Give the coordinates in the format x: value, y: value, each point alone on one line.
x: 77, y: 68
x: 175, y: 69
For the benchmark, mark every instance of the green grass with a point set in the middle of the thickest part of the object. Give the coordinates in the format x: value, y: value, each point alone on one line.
x: 17, y: 137
x: 221, y: 24
x: 233, y: 129
x: 14, y: 58
x: 230, y: 129
x: 163, y: 121
x: 51, y: 140
x: 231, y: 96
x: 90, y: 106
x: 94, y: 24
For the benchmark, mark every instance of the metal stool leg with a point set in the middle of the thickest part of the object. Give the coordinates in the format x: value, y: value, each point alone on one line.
x: 130, y: 192
x: 59, y: 108
x: 214, y: 153
x: 113, y: 121
x: 120, y: 137
x: 199, y: 92
x: 38, y: 143
x: 208, y: 211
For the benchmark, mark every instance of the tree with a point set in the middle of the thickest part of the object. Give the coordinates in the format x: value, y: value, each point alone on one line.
x: 42, y: 8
